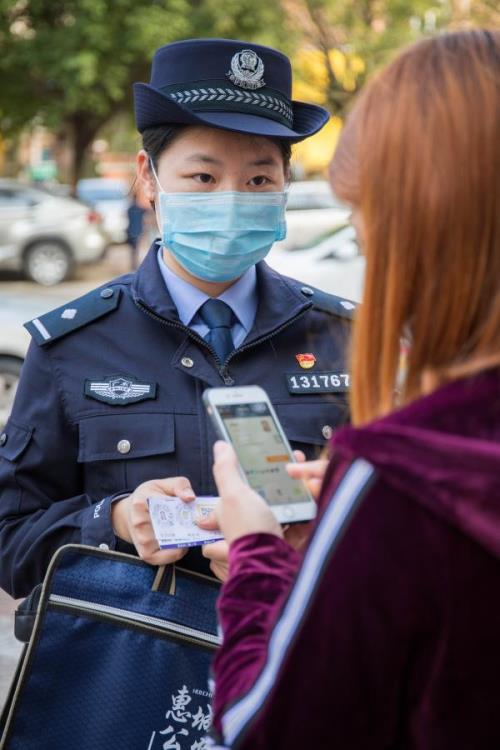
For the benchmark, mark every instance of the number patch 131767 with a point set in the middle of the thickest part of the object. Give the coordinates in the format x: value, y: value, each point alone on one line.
x: 319, y: 382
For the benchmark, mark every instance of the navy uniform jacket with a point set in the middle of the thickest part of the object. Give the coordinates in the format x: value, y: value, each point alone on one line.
x: 111, y: 396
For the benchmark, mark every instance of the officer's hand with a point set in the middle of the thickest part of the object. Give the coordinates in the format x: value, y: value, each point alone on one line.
x: 312, y: 472
x: 240, y: 510
x: 131, y: 520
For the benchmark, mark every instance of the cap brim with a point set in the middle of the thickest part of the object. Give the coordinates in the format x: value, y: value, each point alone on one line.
x: 152, y: 108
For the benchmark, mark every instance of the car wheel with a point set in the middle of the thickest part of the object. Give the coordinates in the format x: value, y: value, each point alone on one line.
x: 48, y: 262
x: 10, y: 368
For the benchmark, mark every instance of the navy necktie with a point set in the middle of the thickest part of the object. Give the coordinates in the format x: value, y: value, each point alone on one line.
x: 219, y: 318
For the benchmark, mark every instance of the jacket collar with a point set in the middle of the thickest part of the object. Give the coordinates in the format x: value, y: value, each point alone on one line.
x: 148, y: 288
x: 280, y: 299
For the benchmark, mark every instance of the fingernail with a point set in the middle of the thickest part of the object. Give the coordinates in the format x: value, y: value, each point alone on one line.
x: 219, y: 448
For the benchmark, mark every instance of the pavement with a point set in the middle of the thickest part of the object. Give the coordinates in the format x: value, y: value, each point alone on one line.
x: 10, y: 649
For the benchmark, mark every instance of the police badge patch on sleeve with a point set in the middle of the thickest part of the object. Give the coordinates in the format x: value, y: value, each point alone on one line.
x: 119, y: 390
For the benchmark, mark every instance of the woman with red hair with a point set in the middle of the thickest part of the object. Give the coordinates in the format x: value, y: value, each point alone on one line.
x: 384, y: 633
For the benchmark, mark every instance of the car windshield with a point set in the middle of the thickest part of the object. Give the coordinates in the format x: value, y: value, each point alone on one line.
x: 93, y: 194
x: 19, y: 195
x: 333, y: 238
x: 343, y: 233
x: 311, y: 195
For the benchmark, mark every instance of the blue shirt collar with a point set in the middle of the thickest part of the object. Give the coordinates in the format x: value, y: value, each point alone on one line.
x: 241, y: 296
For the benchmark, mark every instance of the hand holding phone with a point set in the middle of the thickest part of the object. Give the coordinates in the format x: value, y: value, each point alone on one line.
x: 240, y: 510
x: 245, y: 418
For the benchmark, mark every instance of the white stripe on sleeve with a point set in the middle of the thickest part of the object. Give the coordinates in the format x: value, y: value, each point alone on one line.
x: 348, y: 495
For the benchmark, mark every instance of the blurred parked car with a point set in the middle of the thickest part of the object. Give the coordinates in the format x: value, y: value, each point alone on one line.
x: 14, y: 341
x: 59, y: 189
x: 335, y: 264
x: 312, y: 212
x: 45, y: 235
x: 110, y: 198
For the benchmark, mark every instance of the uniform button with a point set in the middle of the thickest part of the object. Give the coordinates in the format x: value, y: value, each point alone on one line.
x: 187, y: 362
x: 3, y: 439
x: 307, y: 291
x: 104, y: 546
x: 107, y: 293
x: 327, y: 432
x: 123, y: 446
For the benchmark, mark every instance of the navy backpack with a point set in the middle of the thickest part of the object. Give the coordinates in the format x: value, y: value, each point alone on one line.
x: 119, y: 657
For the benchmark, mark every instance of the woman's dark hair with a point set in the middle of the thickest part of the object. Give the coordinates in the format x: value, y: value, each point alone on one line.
x: 156, y: 140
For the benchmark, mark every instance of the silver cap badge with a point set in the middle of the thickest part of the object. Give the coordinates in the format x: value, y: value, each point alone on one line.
x: 247, y: 70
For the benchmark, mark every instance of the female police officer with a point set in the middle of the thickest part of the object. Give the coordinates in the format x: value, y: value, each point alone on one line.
x: 110, y: 394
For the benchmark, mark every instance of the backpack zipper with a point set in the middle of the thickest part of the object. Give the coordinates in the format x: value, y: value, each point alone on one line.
x: 105, y: 611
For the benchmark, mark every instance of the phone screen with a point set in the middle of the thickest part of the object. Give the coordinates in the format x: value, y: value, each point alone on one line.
x: 261, y: 452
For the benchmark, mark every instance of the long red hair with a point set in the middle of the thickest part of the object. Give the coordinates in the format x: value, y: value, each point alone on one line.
x: 420, y: 158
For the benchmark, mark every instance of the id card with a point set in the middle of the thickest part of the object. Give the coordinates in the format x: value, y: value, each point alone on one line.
x: 174, y: 521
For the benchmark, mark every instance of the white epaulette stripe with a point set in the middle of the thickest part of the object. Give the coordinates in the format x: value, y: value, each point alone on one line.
x: 348, y: 494
x: 41, y: 329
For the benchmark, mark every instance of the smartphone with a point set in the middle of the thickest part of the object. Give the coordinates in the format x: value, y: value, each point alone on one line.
x: 245, y: 418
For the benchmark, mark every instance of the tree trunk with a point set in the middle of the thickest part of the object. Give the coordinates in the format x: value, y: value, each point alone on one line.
x: 84, y: 129
x: 337, y: 97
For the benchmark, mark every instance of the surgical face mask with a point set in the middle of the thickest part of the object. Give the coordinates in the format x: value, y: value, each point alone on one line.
x: 218, y: 236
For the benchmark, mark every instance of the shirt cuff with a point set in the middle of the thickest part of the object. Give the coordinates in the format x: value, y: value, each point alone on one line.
x: 98, y: 531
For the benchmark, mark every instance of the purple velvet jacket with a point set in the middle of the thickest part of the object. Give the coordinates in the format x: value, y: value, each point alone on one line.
x: 388, y: 637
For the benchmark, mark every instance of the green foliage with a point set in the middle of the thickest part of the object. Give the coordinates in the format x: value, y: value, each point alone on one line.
x: 71, y: 63
x: 83, y: 55
x: 375, y: 30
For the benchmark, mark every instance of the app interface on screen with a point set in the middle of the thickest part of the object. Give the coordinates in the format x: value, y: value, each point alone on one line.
x: 262, y: 452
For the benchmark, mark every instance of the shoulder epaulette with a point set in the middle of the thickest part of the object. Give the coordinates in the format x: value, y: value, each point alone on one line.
x: 329, y: 303
x: 76, y: 314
